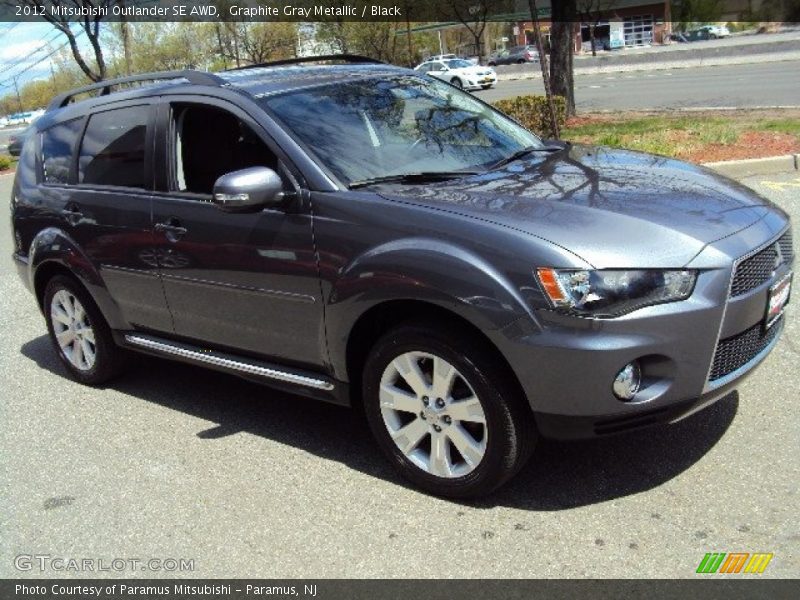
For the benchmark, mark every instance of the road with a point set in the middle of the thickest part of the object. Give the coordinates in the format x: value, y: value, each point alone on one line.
x: 172, y: 461
x: 741, y: 86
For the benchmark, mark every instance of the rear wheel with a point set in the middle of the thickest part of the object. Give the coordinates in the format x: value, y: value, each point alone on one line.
x: 79, y: 333
x: 457, y: 82
x: 444, y: 411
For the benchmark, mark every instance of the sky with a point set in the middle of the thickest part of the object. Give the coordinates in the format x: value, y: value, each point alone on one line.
x: 22, y: 45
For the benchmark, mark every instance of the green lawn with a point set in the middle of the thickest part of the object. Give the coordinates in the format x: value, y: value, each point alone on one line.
x: 701, y: 137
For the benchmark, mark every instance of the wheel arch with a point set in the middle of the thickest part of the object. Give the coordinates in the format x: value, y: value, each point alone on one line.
x: 380, y: 318
x: 53, y: 252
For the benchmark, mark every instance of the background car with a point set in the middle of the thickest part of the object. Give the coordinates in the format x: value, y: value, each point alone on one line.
x: 16, y: 140
x: 461, y: 73
x: 517, y: 55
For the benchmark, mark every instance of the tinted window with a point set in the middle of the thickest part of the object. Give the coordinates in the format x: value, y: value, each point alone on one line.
x: 112, y: 152
x: 57, y: 144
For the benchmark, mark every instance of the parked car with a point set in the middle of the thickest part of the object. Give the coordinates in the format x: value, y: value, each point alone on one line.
x: 707, y: 32
x: 365, y: 235
x: 460, y: 73
x: 517, y: 55
x: 716, y: 31
x: 15, y: 142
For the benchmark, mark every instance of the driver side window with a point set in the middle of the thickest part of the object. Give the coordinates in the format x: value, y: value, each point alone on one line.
x: 208, y: 142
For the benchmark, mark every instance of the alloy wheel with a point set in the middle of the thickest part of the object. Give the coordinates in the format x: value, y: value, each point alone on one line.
x: 73, y: 331
x: 433, y: 415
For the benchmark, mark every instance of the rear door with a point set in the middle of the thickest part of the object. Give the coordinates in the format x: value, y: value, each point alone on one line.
x: 243, y: 281
x: 99, y: 167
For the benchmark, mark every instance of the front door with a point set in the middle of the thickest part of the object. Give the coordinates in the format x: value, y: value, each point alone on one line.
x: 247, y: 282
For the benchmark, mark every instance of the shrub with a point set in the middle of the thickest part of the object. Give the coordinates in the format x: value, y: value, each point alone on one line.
x: 533, y: 113
x: 5, y: 162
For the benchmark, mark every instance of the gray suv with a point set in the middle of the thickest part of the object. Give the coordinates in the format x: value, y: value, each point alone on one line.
x: 362, y: 234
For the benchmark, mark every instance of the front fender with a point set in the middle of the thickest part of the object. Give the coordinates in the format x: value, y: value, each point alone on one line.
x: 54, y: 246
x: 426, y: 270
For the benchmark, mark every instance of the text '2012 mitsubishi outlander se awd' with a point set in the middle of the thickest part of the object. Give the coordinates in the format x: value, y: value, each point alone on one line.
x: 364, y: 234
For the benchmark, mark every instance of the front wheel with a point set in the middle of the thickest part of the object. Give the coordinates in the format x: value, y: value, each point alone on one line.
x: 445, y: 411
x: 457, y: 82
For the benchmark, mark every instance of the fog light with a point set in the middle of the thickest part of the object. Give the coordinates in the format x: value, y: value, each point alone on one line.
x: 628, y: 381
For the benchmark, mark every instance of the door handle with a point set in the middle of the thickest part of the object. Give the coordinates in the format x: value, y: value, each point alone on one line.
x: 172, y: 228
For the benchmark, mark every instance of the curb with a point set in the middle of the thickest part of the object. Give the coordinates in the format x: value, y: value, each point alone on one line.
x: 756, y: 166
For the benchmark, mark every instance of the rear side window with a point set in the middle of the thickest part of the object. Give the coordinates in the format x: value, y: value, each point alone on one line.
x: 57, y: 145
x: 112, y: 151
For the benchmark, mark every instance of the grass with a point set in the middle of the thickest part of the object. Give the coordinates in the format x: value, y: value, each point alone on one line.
x: 693, y: 135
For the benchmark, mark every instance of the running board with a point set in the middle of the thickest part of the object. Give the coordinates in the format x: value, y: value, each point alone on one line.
x: 224, y: 361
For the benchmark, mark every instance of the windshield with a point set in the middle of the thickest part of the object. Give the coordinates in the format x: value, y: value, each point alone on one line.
x: 458, y: 63
x: 371, y: 128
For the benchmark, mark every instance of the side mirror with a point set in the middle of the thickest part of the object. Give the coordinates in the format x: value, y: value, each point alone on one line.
x: 248, y: 189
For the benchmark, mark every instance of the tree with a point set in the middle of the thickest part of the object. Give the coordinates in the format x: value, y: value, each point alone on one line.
x: 562, y: 44
x: 93, y: 65
x: 472, y: 14
x: 685, y: 13
x: 591, y: 12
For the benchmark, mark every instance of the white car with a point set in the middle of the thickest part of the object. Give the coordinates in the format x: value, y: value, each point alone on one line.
x: 461, y: 73
x: 716, y: 31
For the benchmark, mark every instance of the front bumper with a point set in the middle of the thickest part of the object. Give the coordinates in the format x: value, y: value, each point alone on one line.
x: 480, y: 83
x: 566, y: 365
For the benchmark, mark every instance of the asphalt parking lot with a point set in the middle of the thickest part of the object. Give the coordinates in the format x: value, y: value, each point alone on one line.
x: 172, y: 461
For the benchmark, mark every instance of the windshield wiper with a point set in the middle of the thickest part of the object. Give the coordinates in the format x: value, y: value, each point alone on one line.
x: 421, y: 177
x: 522, y: 153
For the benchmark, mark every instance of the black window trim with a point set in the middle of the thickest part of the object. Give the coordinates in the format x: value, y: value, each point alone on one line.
x: 164, y: 179
x: 73, y: 151
x: 148, y: 148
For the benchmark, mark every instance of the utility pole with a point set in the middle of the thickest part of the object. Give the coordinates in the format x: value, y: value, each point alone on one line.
x: 543, y: 62
x: 16, y: 89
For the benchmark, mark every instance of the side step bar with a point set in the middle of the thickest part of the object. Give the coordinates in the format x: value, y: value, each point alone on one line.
x: 228, y: 362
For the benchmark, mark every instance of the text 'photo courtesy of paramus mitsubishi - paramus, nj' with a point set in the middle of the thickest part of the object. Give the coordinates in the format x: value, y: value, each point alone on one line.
x: 368, y: 235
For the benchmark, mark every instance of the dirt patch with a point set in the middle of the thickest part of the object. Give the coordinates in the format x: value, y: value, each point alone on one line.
x: 751, y: 144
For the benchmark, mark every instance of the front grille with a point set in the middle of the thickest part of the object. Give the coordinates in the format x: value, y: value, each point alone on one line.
x: 734, y: 352
x: 759, y: 268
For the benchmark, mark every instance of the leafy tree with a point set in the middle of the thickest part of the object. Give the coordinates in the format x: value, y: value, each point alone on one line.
x: 687, y: 13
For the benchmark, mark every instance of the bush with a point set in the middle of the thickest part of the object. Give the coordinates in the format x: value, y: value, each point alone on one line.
x: 5, y: 162
x: 532, y: 112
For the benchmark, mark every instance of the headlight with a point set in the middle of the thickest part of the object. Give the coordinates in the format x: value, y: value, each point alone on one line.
x: 614, y: 292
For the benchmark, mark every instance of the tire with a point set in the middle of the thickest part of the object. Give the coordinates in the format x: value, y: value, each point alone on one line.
x: 457, y: 82
x: 491, y: 63
x: 473, y: 458
x: 70, y: 310
x: 520, y: 62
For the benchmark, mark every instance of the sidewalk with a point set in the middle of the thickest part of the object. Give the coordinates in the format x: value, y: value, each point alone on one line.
x: 733, y: 51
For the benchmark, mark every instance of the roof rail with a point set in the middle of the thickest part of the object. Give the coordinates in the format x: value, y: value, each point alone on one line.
x: 351, y: 58
x: 195, y: 77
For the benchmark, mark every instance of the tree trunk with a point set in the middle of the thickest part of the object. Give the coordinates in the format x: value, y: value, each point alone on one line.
x: 591, y: 38
x: 562, y: 49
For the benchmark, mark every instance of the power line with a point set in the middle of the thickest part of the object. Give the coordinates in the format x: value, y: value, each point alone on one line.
x: 16, y: 76
x: 8, y: 66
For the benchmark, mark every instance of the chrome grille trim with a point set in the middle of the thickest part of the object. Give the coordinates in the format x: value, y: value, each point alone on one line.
x: 759, y: 267
x: 709, y: 385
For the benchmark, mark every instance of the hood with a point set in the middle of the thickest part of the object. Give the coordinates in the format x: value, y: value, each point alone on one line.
x: 613, y: 208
